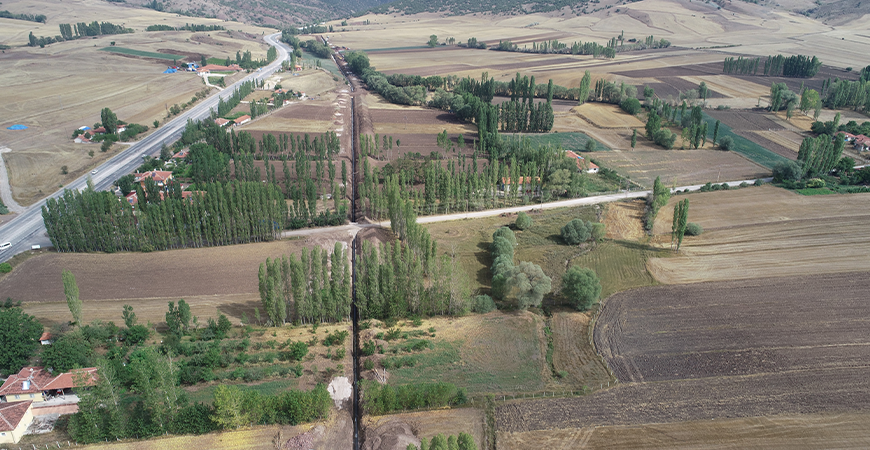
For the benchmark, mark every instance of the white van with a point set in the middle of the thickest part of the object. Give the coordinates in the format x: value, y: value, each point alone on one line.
x: 35, y: 247
x: 5, y: 245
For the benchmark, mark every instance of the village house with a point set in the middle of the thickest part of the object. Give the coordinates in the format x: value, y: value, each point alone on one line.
x: 45, y: 339
x: 582, y: 164
x: 242, y: 120
x: 38, y: 384
x: 221, y: 122
x: 161, y: 177
x: 183, y: 153
x: 15, y: 417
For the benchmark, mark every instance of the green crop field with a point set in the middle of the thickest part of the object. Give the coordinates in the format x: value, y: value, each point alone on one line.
x: 743, y: 146
x: 569, y: 141
x: 130, y: 51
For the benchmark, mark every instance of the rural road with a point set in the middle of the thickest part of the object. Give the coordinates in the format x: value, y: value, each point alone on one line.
x: 353, y: 228
x: 27, y: 228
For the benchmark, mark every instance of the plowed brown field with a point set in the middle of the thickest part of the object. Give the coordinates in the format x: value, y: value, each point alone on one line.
x: 779, y: 346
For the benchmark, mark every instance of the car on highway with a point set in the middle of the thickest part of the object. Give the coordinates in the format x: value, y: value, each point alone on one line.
x: 5, y: 245
x: 94, y: 172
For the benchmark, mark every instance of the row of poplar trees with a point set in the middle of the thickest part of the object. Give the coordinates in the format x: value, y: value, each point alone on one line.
x: 314, y: 288
x: 218, y: 214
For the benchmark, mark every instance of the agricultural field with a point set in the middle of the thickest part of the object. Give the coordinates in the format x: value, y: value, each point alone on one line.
x: 43, y: 94
x: 681, y: 167
x: 150, y: 280
x: 783, y: 432
x: 765, y: 232
x: 690, y: 339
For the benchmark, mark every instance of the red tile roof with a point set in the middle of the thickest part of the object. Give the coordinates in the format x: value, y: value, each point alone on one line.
x: 156, y: 175
x: 45, y: 336
x: 523, y: 180
x: 41, y: 380
x: 11, y: 414
x: 242, y: 119
x: 220, y: 121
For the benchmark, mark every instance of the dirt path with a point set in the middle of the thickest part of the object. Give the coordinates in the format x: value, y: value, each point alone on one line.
x: 5, y: 189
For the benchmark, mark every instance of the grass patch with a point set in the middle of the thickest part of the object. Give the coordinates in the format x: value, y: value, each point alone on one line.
x: 130, y: 51
x: 206, y: 394
x: 574, y: 141
x: 815, y: 191
x: 326, y: 63
x: 743, y: 146
x: 497, y: 353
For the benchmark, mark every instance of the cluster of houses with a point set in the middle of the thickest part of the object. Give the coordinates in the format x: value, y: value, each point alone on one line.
x: 161, y: 178
x: 36, y: 391
x: 582, y: 166
x: 860, y: 142
x: 88, y: 133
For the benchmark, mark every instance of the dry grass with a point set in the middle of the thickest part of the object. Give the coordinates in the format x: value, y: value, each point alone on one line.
x: 572, y: 353
x: 427, y: 424
x: 785, y: 138
x: 624, y: 220
x: 311, y: 82
x: 763, y: 232
x: 732, y: 87
x: 847, y: 431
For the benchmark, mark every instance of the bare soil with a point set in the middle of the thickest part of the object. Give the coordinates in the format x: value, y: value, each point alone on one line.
x: 712, y: 351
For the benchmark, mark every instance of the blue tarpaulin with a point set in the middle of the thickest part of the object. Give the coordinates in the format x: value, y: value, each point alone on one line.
x: 170, y: 70
x: 17, y: 127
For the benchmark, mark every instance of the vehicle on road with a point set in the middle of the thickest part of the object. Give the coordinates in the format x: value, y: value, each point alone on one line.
x: 5, y: 245
x: 35, y: 247
x: 94, y: 172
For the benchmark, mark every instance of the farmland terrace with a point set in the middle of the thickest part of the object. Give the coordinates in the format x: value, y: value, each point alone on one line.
x: 789, y: 345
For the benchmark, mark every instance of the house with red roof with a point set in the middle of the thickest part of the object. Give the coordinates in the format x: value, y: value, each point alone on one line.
x: 242, y: 120
x: 45, y: 339
x: 15, y: 417
x: 183, y: 153
x: 35, y: 383
x: 161, y: 177
x: 132, y: 198
x: 220, y: 121
x: 582, y: 164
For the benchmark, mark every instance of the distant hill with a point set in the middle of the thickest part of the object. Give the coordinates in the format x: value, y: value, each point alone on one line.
x: 840, y: 11
x: 276, y: 13
x: 462, y: 7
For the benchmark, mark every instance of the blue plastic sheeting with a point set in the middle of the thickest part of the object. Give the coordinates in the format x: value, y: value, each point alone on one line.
x: 170, y: 70
x: 17, y: 127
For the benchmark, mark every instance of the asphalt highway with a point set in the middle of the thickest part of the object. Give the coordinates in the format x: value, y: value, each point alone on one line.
x: 27, y: 228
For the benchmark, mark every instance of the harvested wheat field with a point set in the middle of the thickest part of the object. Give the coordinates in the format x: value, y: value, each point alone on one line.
x: 764, y: 232
x: 810, y: 431
x: 681, y: 167
x: 572, y: 354
x: 624, y: 220
x: 607, y: 116
x: 212, y: 280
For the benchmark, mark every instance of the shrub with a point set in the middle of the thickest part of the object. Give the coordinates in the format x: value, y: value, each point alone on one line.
x: 693, y: 229
x: 482, y: 304
x: 630, y: 105
x: 787, y: 171
x: 5, y: 268
x: 336, y: 338
x: 523, y: 221
x: 368, y: 348
x: 581, y: 287
x: 575, y: 232
x: 368, y: 364
x: 726, y: 142
x: 597, y: 230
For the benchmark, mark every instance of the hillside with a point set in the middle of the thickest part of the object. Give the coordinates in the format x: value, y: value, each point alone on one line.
x: 276, y: 13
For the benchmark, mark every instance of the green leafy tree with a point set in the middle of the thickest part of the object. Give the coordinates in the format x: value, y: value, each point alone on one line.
x: 129, y: 316
x: 109, y: 120
x: 155, y: 379
x: 581, y: 287
x: 726, y: 143
x: 229, y: 412
x: 19, y: 339
x: 527, y: 285
x: 523, y: 221
x: 575, y: 232
x: 678, y: 226
x: 433, y: 41
x: 633, y: 138
x: 71, y: 290
x: 70, y: 351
